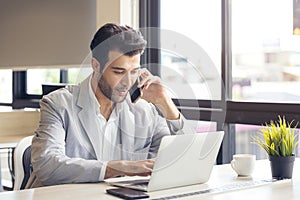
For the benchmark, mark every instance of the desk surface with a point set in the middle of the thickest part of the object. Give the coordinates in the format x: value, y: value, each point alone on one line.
x: 221, y: 175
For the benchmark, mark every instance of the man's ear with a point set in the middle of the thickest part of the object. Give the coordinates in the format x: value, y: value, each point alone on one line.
x: 96, y: 65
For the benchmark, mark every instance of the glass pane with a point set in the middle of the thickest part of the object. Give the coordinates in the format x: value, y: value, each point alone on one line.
x: 191, y: 65
x: 202, y: 126
x: 77, y: 75
x: 265, y: 51
x: 5, y: 86
x: 37, y: 77
x: 244, y: 138
x: 73, y: 75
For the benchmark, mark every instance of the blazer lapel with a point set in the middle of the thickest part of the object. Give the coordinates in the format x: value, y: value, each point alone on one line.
x: 88, y: 118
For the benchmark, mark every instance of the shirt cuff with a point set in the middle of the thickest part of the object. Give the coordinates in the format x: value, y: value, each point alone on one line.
x: 176, y: 124
x: 103, y: 170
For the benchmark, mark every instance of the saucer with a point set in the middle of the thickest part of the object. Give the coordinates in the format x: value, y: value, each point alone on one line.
x: 242, y: 177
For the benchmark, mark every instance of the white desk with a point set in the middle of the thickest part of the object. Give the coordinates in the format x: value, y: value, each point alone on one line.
x: 221, y: 175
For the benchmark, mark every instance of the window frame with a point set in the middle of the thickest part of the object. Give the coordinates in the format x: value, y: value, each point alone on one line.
x: 235, y: 112
x: 21, y: 99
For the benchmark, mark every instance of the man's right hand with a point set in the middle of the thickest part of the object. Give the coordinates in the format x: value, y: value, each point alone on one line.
x: 129, y: 168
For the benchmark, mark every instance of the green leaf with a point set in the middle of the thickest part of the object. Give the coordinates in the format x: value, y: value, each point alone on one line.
x: 279, y: 137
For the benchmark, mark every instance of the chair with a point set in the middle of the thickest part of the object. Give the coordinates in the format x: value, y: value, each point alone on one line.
x: 15, y: 125
x: 22, y: 163
x: 1, y: 187
x: 47, y: 88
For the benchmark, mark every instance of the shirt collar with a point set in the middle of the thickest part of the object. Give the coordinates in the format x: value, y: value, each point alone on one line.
x: 92, y: 95
x: 118, y: 108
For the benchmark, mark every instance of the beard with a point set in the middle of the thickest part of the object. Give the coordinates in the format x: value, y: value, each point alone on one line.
x: 111, y: 93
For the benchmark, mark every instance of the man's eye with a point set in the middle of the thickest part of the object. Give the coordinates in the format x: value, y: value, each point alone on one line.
x: 134, y: 71
x: 118, y: 72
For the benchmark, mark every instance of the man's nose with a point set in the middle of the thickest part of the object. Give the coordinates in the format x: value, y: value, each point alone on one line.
x: 126, y: 80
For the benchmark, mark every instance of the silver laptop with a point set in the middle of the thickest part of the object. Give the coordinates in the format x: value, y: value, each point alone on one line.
x: 181, y: 160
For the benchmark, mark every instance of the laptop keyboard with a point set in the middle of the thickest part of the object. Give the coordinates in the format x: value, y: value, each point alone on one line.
x: 140, y: 184
x: 143, y: 185
x: 226, y: 188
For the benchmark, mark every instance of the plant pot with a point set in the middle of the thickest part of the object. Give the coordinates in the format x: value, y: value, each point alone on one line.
x: 282, y: 167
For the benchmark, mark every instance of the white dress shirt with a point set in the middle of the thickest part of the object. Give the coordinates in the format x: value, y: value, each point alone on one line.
x: 107, y: 137
x: 106, y: 140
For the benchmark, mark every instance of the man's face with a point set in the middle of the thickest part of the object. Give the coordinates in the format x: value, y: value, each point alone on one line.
x: 119, y: 75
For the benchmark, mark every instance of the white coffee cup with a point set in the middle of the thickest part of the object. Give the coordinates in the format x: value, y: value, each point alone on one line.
x: 243, y: 164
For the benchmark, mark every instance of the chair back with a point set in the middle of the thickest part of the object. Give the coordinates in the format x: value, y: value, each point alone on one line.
x: 22, y: 163
x: 1, y: 187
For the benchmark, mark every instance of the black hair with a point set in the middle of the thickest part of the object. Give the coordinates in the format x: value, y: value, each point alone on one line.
x: 113, y: 37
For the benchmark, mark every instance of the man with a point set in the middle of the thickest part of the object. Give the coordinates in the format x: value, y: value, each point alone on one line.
x: 93, y: 131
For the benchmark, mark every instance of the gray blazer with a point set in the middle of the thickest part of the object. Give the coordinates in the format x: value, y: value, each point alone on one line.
x: 62, y: 151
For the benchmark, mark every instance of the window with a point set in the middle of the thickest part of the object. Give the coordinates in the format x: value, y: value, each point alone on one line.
x: 265, y: 52
x: 37, y: 77
x: 244, y: 134
x: 5, y: 87
x: 29, y: 83
x: 190, y: 75
x: 65, y: 30
x: 73, y: 75
x: 256, y: 56
x: 202, y: 126
x: 244, y: 141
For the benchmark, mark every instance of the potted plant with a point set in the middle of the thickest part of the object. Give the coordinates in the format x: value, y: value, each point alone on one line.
x: 279, y: 140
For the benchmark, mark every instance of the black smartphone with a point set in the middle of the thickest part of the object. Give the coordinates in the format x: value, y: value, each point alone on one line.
x: 135, y: 92
x: 127, y: 193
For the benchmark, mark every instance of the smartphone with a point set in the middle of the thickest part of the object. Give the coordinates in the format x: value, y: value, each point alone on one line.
x: 127, y: 193
x: 135, y: 92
